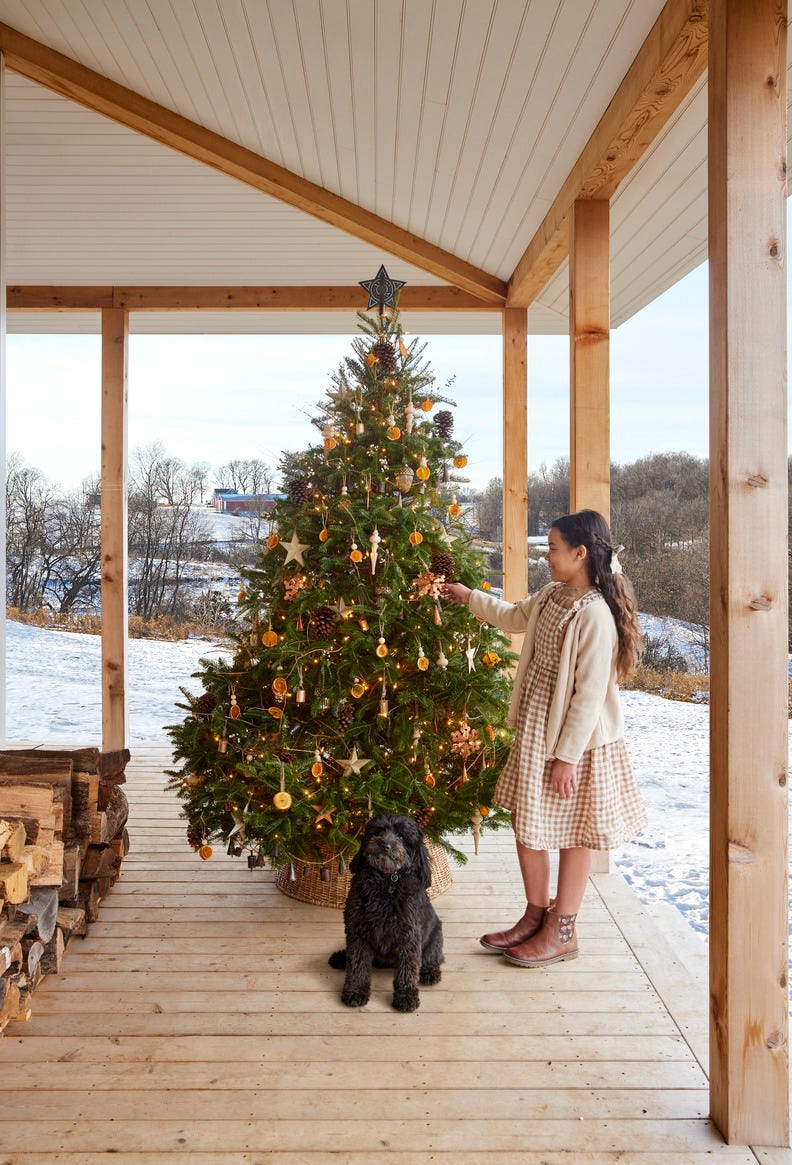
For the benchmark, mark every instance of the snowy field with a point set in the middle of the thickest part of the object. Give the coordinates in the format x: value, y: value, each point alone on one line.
x: 54, y: 694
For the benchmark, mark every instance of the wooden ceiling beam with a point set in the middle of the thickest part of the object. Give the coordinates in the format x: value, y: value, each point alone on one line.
x: 81, y: 84
x: 672, y: 59
x: 78, y: 298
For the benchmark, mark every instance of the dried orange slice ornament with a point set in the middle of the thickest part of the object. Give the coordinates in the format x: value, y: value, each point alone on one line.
x: 416, y: 537
x: 282, y: 800
x: 205, y: 852
x: 269, y: 638
x: 279, y: 686
x: 381, y: 648
x: 324, y: 534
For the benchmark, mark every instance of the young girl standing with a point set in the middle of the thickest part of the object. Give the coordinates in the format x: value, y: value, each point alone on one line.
x: 568, y: 781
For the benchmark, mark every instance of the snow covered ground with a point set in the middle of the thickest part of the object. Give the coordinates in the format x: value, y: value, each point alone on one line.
x: 54, y: 694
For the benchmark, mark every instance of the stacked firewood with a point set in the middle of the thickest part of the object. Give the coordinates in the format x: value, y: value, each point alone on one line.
x: 62, y: 841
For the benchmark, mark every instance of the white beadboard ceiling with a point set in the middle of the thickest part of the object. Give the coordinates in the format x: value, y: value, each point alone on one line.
x: 457, y: 120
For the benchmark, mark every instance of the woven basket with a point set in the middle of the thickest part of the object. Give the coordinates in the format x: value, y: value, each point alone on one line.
x: 308, y: 886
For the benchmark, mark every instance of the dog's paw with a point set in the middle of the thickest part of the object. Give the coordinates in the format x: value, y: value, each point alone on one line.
x: 406, y: 1000
x: 355, y: 998
x: 429, y: 976
x: 338, y: 960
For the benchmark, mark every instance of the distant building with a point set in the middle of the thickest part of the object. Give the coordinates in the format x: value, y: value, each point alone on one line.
x: 228, y: 501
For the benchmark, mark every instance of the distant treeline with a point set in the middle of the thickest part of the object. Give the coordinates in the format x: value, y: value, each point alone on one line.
x: 659, y: 510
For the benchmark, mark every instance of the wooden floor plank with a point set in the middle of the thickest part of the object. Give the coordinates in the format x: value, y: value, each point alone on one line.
x: 199, y: 1019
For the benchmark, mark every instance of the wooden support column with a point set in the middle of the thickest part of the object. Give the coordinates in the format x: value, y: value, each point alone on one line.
x: 115, y: 333
x: 515, y: 454
x: 749, y: 1068
x: 3, y: 385
x: 589, y: 356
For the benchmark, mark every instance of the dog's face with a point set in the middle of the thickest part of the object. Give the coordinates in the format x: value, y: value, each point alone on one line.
x: 393, y: 845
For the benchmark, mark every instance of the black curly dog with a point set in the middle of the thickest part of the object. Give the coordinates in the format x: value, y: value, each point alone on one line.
x: 388, y: 918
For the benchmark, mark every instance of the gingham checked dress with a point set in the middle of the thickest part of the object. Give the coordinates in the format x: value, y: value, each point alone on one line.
x: 606, y: 809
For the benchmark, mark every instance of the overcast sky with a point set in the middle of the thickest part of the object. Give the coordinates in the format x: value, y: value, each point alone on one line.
x: 214, y: 398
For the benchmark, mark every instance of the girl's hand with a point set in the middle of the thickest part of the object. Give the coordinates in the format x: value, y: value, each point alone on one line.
x: 457, y: 593
x: 563, y: 778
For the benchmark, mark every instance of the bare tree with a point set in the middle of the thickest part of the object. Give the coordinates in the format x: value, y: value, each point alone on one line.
x: 251, y: 476
x: 165, y: 531
x: 28, y: 497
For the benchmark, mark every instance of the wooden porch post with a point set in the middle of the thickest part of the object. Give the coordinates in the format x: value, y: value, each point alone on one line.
x: 3, y: 323
x: 515, y: 453
x: 749, y: 1067
x: 589, y: 356
x: 589, y: 372
x: 115, y: 332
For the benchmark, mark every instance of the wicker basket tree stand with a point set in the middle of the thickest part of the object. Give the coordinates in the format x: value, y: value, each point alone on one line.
x: 326, y: 886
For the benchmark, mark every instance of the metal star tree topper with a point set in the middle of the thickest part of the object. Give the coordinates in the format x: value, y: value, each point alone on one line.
x: 381, y: 291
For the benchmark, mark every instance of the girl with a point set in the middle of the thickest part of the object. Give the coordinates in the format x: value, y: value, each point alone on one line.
x: 568, y: 781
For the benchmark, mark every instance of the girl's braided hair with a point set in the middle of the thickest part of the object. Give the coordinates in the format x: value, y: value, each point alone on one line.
x: 588, y: 528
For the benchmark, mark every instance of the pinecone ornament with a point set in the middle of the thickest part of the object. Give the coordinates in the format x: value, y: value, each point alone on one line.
x: 443, y: 563
x: 346, y: 714
x: 423, y: 816
x: 206, y: 703
x: 298, y: 491
x: 444, y: 423
x: 386, y: 356
x: 323, y: 621
x: 195, y: 838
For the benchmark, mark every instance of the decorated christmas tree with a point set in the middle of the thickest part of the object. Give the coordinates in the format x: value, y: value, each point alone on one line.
x: 354, y: 690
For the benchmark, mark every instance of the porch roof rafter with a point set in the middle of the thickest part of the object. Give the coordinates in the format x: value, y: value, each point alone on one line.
x: 671, y: 61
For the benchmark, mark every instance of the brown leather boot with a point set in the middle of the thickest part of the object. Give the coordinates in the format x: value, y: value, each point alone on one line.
x: 555, y: 942
x: 500, y: 940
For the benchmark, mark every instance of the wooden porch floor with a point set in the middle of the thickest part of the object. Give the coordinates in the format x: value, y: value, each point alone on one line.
x: 199, y: 1018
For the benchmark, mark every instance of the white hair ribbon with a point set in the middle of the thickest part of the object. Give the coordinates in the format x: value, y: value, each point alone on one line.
x: 615, y: 565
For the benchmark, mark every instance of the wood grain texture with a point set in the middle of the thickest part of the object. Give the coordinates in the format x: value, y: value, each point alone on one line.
x: 515, y: 454
x: 672, y: 59
x: 114, y: 567
x: 589, y: 357
x: 748, y: 618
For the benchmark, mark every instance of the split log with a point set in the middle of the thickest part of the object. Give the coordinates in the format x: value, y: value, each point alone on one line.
x: 13, y: 882
x: 9, y: 1008
x: 84, y: 760
x: 23, y: 769
x: 89, y: 900
x: 72, y: 920
x: 53, y: 953
x: 32, y: 804
x: 112, y: 765
x: 43, y: 908
x: 12, y: 839
x: 99, y: 832
x: 33, y: 950
x: 101, y: 861
x: 121, y: 843
x: 10, y: 952
x: 71, y: 874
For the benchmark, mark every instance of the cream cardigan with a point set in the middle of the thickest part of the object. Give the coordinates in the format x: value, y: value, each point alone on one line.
x: 585, y: 711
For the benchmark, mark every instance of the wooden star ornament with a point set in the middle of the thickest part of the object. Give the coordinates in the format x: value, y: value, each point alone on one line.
x: 294, y: 550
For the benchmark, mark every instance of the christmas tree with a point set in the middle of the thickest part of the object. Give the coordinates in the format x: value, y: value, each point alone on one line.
x: 353, y: 690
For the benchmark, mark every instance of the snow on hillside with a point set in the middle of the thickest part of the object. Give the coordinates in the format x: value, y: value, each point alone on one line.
x: 54, y: 694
